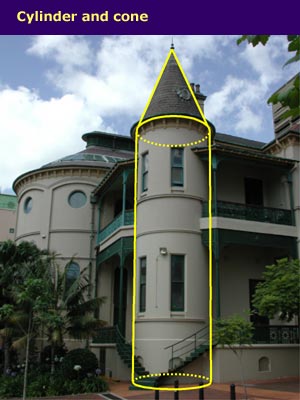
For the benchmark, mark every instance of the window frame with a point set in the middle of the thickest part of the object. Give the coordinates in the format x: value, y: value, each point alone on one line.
x: 177, y: 167
x: 143, y: 287
x: 28, y: 204
x: 75, y: 203
x: 175, y: 308
x: 145, y: 171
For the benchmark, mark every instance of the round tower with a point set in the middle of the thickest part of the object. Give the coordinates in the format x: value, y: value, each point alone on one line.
x: 172, y: 286
x: 54, y: 202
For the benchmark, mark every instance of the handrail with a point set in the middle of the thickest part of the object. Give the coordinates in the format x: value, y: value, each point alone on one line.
x: 182, y: 340
x: 188, y: 345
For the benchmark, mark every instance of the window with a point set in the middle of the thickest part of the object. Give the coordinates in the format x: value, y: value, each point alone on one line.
x: 72, y: 273
x: 28, y: 205
x: 254, y: 192
x: 145, y: 171
x: 143, y: 266
x: 77, y: 199
x: 11, y: 230
x: 177, y: 282
x: 177, y: 167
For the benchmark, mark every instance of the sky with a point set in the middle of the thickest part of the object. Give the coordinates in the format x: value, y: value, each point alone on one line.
x: 53, y: 89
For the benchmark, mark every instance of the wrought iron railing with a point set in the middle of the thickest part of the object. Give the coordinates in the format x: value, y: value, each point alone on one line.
x: 251, y: 213
x: 276, y: 334
x: 116, y: 224
x: 183, y: 348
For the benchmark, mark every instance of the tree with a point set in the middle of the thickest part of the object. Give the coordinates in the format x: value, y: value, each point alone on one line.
x: 35, y: 297
x: 15, y: 262
x: 24, y: 279
x: 68, y: 311
x: 234, y: 332
x: 290, y: 97
x: 279, y: 293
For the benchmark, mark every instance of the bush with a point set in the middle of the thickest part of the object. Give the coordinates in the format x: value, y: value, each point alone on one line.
x: 59, y: 354
x: 11, y: 386
x: 83, y: 358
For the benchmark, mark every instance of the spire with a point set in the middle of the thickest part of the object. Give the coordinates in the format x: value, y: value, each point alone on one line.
x: 172, y: 94
x: 172, y: 44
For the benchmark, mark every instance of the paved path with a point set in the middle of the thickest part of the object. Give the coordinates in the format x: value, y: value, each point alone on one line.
x: 279, y: 389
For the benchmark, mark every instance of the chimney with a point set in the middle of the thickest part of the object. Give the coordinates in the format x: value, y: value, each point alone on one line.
x: 199, y: 96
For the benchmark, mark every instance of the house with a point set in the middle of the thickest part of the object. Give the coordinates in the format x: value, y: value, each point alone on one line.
x: 255, y: 220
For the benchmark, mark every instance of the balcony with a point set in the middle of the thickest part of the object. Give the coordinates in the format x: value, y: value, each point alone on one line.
x: 276, y: 334
x: 250, y: 213
x: 121, y: 220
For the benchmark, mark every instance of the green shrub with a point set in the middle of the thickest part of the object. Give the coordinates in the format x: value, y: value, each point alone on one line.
x: 94, y: 384
x: 83, y: 358
x: 11, y: 386
x: 45, y: 384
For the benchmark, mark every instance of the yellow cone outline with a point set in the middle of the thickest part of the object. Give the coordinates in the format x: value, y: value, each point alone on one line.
x: 137, y: 138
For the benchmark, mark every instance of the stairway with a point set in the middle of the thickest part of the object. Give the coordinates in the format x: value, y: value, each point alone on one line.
x: 189, y: 348
x: 125, y: 353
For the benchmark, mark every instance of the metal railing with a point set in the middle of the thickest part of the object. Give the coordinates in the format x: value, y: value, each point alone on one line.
x: 116, y: 224
x: 276, y: 334
x: 250, y: 213
x: 185, y: 347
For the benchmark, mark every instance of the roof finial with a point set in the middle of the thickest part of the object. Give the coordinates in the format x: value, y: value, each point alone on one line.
x: 172, y: 44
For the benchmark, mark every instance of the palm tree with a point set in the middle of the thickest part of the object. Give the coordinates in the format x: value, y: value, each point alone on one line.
x: 69, y: 312
x: 13, y: 258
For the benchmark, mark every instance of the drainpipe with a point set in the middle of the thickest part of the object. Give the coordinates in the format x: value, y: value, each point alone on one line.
x: 125, y: 176
x: 216, y: 249
x: 120, y: 319
x: 92, y: 236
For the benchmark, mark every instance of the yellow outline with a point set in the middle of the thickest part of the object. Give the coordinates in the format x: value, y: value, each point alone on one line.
x: 170, y: 144
x: 173, y: 374
x: 208, y: 138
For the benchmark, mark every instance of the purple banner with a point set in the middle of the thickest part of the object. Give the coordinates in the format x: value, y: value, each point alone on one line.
x: 148, y: 17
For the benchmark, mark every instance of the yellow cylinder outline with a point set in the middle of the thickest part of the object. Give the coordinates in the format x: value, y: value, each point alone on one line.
x: 137, y: 138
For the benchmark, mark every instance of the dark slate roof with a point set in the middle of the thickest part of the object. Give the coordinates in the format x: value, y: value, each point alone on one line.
x: 172, y: 95
x: 93, y: 155
x: 239, y: 141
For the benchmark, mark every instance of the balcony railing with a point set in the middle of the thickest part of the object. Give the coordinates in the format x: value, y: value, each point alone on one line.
x: 276, y: 334
x: 116, y: 224
x: 250, y: 213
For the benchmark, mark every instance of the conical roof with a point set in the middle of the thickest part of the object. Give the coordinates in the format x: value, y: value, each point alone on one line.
x: 172, y: 94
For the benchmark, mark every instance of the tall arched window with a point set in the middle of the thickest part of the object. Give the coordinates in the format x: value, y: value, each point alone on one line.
x: 72, y: 273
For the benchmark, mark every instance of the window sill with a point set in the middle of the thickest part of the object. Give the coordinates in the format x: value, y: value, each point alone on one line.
x: 178, y: 189
x: 177, y: 313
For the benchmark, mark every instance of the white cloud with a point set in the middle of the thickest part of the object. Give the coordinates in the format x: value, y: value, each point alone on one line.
x: 66, y: 50
x: 123, y: 69
x: 110, y: 79
x: 247, y: 120
x: 35, y: 131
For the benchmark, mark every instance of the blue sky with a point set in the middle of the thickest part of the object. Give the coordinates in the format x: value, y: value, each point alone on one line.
x: 55, y: 88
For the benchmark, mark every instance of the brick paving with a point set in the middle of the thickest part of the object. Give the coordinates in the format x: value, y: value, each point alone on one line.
x: 277, y: 389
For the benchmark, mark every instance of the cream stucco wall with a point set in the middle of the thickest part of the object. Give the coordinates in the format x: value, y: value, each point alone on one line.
x: 168, y: 217
x: 7, y: 223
